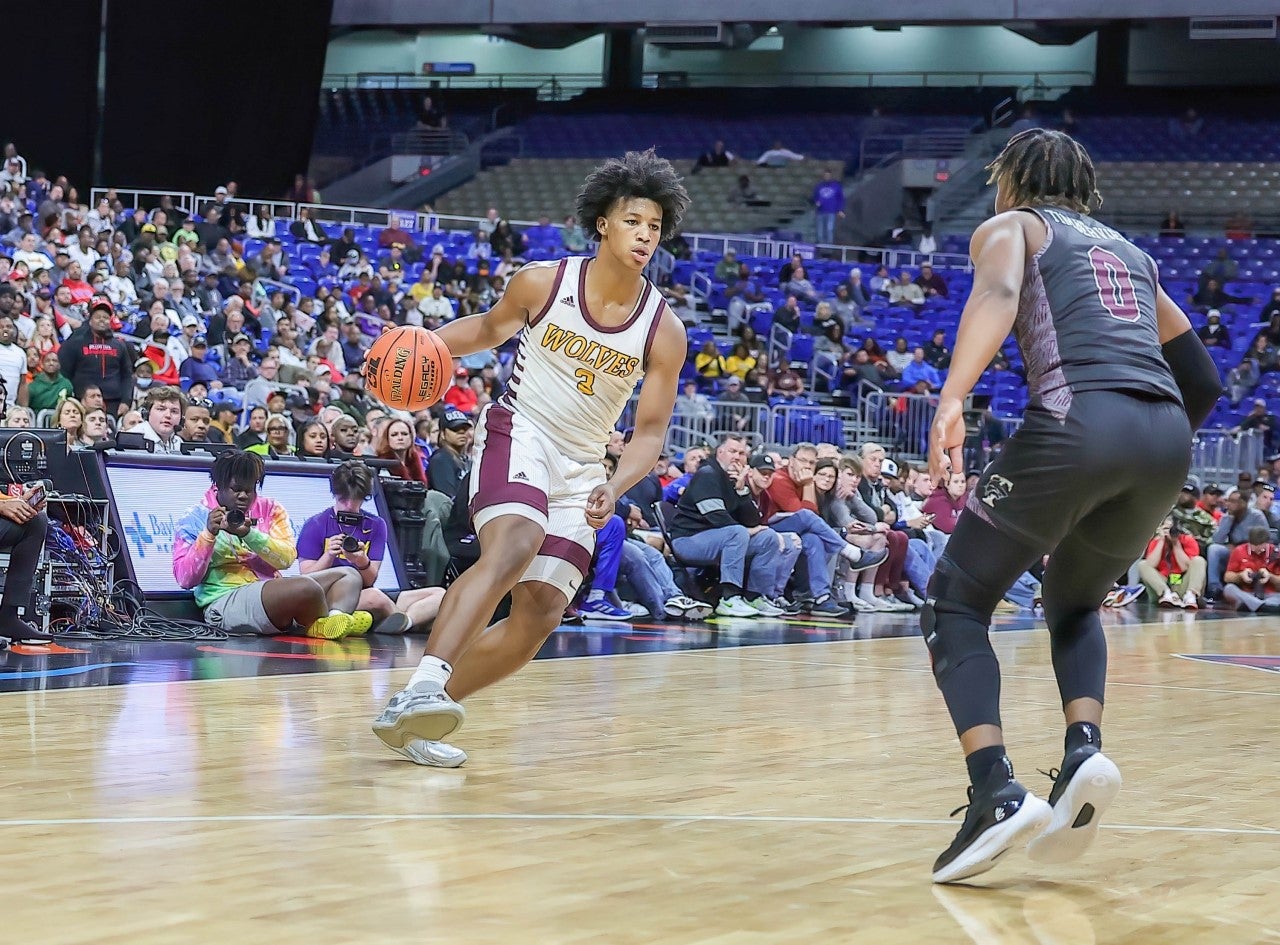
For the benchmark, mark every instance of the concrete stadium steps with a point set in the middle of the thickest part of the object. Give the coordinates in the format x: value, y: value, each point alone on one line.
x: 1205, y: 193
x: 527, y: 188
x: 1138, y: 194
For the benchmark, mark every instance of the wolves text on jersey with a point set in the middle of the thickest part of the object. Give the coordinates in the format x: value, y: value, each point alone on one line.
x: 599, y: 357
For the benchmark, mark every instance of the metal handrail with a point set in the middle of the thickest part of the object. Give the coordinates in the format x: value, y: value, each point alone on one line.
x: 880, y: 150
x: 582, y: 80
x: 428, y: 141
x: 431, y: 222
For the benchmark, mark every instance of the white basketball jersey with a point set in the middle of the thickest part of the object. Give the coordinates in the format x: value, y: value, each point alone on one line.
x: 573, y: 376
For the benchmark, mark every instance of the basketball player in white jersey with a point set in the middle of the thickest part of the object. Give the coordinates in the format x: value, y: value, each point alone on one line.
x: 593, y: 328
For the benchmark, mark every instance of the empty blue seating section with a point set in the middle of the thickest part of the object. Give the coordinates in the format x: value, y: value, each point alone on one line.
x: 1143, y: 138
x: 826, y: 136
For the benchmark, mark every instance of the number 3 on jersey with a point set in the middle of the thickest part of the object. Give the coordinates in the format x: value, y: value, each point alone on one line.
x: 585, y: 380
x: 1115, y: 285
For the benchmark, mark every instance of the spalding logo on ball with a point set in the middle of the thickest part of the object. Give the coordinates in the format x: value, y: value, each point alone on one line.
x: 408, y: 368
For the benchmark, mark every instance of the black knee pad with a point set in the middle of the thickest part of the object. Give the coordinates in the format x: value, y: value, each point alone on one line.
x: 956, y: 619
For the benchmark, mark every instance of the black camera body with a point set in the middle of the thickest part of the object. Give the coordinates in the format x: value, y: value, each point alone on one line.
x: 235, y: 518
x: 350, y: 543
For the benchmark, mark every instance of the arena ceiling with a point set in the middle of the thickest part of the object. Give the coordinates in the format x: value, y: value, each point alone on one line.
x: 416, y: 13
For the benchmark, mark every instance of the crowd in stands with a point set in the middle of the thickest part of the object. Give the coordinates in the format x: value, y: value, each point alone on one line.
x: 224, y: 327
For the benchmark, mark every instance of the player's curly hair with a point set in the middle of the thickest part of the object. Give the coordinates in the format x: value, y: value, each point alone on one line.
x: 637, y: 174
x: 237, y: 466
x: 1040, y: 166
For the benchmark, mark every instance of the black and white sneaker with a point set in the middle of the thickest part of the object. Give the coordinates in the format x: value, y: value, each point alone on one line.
x: 826, y: 606
x: 1083, y: 789
x: 1000, y: 815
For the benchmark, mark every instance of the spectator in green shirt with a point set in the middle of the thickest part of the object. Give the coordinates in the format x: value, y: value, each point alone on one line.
x: 727, y: 267
x: 49, y: 386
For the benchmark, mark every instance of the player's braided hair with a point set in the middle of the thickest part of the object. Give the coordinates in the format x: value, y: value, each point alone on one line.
x: 1039, y: 166
x: 637, y: 174
x: 236, y: 466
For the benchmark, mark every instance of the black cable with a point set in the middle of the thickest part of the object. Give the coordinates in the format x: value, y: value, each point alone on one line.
x: 116, y: 612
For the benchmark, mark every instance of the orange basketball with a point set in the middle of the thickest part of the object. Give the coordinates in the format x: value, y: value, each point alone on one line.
x: 408, y: 368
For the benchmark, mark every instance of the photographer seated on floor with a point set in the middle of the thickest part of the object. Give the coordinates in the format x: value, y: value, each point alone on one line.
x: 230, y: 548
x: 1172, y: 569
x: 1253, y: 574
x: 23, y: 525
x: 345, y: 536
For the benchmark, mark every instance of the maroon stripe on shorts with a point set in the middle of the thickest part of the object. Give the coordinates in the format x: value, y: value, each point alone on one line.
x: 553, y: 546
x: 496, y: 487
x: 551, y: 296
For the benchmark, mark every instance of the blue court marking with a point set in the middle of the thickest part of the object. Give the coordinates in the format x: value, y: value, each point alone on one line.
x: 67, y: 671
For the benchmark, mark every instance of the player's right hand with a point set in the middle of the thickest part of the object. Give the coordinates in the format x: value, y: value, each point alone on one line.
x: 217, y: 521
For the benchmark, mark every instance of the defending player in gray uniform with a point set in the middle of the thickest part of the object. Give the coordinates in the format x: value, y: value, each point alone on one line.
x: 1118, y: 382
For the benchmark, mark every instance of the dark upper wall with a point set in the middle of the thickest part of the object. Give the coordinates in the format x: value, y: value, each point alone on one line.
x: 610, y: 12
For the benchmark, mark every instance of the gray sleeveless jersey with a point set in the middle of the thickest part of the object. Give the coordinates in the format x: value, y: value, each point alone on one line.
x: 1087, y: 315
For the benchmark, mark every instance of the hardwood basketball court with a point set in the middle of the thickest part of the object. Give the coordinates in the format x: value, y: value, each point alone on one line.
x: 795, y: 792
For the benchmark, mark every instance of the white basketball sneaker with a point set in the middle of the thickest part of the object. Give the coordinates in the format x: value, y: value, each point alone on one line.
x: 432, y: 754
x: 424, y: 711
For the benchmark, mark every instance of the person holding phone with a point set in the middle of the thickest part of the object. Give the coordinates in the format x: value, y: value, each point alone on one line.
x: 23, y: 525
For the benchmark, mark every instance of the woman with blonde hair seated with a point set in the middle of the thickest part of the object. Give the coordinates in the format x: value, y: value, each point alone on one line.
x: 69, y: 416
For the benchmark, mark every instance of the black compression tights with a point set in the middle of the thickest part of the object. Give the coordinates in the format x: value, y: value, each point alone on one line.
x: 981, y: 563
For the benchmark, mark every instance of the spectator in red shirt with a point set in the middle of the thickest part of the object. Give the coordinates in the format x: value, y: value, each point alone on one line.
x: 945, y: 505
x: 460, y: 396
x: 1211, y: 501
x: 81, y: 291
x: 1253, y: 574
x: 1173, y: 560
x: 794, y: 501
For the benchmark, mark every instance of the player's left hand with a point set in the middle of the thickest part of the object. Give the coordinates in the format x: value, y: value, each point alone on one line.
x: 600, y: 505
x: 946, y: 440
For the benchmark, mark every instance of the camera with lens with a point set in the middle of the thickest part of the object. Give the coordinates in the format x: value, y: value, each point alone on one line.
x: 350, y: 544
x: 235, y: 518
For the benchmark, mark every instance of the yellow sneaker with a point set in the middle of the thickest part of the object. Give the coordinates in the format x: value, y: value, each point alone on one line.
x: 361, y: 621
x: 332, y: 628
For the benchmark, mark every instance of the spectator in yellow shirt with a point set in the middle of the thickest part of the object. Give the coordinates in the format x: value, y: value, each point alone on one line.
x: 709, y: 363
x: 739, y: 362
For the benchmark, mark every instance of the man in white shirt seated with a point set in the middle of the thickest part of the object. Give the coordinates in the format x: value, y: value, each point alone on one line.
x: 434, y: 306
x: 162, y: 411
x: 905, y: 291
x: 29, y: 254
x: 778, y: 156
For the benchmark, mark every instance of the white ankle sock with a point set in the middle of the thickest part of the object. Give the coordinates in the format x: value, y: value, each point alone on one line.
x: 335, y: 612
x: 594, y: 595
x: 851, y: 553
x: 431, y: 670
x: 867, y: 593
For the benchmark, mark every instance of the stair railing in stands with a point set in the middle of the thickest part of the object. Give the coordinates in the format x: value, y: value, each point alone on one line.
x: 430, y: 222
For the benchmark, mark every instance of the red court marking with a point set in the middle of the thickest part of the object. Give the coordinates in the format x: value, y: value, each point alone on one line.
x: 43, y: 649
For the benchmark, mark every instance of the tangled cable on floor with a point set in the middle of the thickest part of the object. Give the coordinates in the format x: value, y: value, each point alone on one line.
x: 115, y: 612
